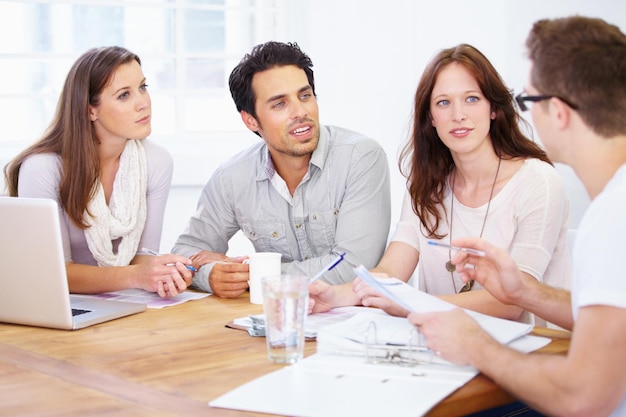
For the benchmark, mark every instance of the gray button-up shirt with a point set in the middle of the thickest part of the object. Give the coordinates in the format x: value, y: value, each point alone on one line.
x: 341, y: 205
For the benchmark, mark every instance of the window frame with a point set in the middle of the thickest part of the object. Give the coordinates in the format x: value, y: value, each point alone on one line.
x: 195, y: 151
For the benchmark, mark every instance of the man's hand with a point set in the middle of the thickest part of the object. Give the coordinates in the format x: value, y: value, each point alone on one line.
x: 497, y: 272
x: 229, y: 277
x: 323, y: 296
x: 453, y: 334
x: 205, y: 257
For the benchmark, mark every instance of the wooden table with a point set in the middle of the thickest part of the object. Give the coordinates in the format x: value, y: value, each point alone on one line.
x: 167, y: 362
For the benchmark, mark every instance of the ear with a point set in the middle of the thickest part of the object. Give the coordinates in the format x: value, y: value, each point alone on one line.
x: 93, y: 113
x: 562, y: 113
x: 493, y: 115
x: 249, y: 120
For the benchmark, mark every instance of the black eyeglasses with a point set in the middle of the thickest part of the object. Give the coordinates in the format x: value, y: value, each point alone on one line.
x: 521, y: 101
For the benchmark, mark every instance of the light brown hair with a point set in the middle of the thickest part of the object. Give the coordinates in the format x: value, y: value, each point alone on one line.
x: 71, y: 134
x: 583, y: 60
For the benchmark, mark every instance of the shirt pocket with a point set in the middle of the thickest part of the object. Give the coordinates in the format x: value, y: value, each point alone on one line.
x: 267, y: 236
x: 323, y: 229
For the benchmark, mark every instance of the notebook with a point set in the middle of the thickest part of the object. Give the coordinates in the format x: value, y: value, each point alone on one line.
x: 32, y: 273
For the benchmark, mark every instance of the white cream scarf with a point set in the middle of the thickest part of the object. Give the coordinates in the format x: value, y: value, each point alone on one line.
x: 126, y: 217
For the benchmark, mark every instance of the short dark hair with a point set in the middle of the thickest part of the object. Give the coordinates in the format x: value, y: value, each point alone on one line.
x: 263, y: 57
x: 583, y: 60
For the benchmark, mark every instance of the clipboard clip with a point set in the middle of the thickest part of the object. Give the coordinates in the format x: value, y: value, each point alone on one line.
x: 414, y: 353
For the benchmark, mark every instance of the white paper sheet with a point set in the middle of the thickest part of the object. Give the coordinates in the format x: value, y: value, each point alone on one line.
x: 338, y: 386
x: 351, y: 337
x: 504, y: 331
x: 151, y: 299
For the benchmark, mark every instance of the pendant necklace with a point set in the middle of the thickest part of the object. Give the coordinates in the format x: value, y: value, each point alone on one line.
x: 449, y: 266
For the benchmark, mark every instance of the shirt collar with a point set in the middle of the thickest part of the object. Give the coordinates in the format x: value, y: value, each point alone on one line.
x: 267, y: 170
x: 321, y: 152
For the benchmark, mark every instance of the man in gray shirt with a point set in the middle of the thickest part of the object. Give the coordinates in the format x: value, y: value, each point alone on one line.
x: 307, y: 190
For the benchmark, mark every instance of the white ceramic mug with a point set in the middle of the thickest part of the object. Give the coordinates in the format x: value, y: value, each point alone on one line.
x: 262, y: 264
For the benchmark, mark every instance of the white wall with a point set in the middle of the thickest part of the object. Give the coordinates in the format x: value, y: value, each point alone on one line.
x: 368, y: 56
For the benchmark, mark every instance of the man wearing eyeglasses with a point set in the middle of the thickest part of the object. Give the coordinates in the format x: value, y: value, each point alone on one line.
x: 577, y: 85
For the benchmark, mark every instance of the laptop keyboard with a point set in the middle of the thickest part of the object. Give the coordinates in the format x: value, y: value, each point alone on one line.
x: 78, y: 311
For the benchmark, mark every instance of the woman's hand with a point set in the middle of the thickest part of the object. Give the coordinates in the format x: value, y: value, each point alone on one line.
x: 371, y: 298
x: 167, y: 275
x: 323, y: 296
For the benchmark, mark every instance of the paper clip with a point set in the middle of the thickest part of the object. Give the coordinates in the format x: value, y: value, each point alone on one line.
x: 414, y: 353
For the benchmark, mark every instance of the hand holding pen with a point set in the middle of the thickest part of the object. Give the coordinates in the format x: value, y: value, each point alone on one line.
x: 164, y: 274
x: 328, y: 267
x: 322, y: 296
x: 154, y: 253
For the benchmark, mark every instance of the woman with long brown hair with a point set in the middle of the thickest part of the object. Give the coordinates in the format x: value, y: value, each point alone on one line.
x: 470, y: 172
x: 111, y: 184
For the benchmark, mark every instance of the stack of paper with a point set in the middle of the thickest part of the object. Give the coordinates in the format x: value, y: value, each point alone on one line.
x: 255, y: 324
x: 371, y: 335
x: 351, y: 336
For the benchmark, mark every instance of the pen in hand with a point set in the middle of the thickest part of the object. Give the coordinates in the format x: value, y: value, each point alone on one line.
x: 328, y: 267
x: 153, y: 253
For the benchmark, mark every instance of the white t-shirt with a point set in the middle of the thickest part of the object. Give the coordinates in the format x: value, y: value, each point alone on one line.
x: 40, y: 176
x: 528, y: 218
x: 599, y: 277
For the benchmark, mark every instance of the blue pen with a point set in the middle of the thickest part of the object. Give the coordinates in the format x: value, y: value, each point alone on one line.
x: 151, y: 252
x: 328, y: 267
x: 468, y: 250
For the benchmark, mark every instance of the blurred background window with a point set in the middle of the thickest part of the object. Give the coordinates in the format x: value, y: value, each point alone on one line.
x: 187, y: 48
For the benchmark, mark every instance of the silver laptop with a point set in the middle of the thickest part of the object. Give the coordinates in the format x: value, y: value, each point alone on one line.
x: 34, y: 289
